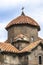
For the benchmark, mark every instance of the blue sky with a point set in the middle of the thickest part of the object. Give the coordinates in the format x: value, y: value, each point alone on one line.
x: 10, y: 9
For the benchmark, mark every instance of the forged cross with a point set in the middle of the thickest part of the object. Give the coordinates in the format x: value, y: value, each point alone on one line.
x: 22, y: 11
x: 22, y: 8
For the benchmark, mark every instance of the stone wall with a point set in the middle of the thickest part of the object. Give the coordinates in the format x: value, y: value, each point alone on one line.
x: 34, y: 56
x: 26, y: 30
x: 28, y: 59
x: 20, y: 45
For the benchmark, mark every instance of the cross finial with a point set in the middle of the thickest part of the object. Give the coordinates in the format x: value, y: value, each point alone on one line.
x: 22, y: 8
x: 22, y: 11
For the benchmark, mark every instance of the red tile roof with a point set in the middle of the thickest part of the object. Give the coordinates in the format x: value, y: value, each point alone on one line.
x: 7, y: 47
x: 22, y: 20
x: 30, y: 46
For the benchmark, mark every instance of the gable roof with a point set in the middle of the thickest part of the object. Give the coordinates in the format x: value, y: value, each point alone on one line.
x: 22, y: 19
x: 30, y: 46
x: 7, y: 47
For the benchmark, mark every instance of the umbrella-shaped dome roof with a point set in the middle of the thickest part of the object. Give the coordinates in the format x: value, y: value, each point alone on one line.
x: 23, y: 19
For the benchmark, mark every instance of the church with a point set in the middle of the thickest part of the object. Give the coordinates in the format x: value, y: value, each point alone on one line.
x: 23, y: 45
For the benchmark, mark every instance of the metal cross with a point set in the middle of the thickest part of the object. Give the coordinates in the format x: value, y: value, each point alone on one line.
x: 22, y: 8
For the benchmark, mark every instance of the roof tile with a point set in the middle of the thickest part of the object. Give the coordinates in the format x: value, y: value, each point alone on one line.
x: 22, y: 20
x: 7, y: 47
x: 30, y: 46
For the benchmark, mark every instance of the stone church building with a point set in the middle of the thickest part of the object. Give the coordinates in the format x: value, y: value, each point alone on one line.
x: 23, y: 45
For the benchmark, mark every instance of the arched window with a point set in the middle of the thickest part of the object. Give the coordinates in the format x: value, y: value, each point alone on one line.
x: 40, y: 59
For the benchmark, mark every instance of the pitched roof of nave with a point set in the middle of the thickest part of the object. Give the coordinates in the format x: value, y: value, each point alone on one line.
x: 8, y: 47
x: 31, y: 46
x: 23, y: 19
